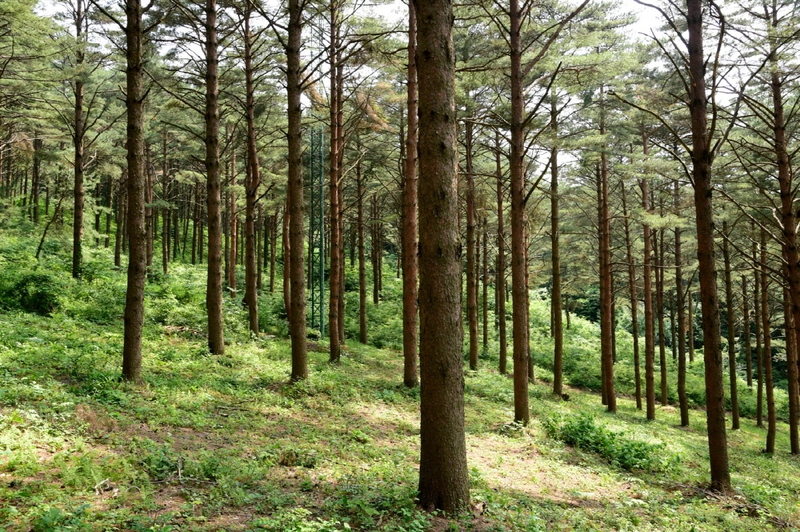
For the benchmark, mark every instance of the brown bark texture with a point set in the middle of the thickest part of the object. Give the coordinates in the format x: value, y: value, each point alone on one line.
x: 519, y: 248
x: 443, y: 479
x: 135, y: 223
x: 296, y: 205
x: 702, y: 157
x: 410, y: 213
x: 216, y: 343
x: 252, y: 180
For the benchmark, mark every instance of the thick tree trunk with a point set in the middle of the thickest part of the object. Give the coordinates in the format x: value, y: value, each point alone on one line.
x: 297, y: 322
x: 726, y: 257
x: 701, y: 172
x: 410, y: 213
x: 137, y: 257
x: 216, y: 343
x: 443, y: 480
x: 789, y: 225
x: 519, y: 249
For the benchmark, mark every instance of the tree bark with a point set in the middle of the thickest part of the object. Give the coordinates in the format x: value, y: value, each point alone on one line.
x: 362, y: 266
x: 662, y: 352
x: 333, y: 174
x: 233, y: 222
x: 789, y: 233
x: 485, y: 276
x: 216, y: 343
x: 137, y: 255
x: 500, y: 277
x: 519, y: 248
x: 634, y: 298
x: 472, y: 289
x: 252, y: 180
x: 443, y: 479
x: 649, y: 326
x: 726, y: 257
x: 702, y: 157
x: 606, y: 283
x: 410, y: 213
x: 681, y: 296
x: 297, y: 322
x: 77, y: 141
x: 767, y: 356
x: 759, y: 351
x: 748, y: 352
x: 556, y: 303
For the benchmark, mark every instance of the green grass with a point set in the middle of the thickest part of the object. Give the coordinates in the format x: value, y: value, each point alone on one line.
x: 226, y: 443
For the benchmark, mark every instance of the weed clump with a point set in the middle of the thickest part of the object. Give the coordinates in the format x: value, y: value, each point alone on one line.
x: 584, y: 433
x: 33, y: 292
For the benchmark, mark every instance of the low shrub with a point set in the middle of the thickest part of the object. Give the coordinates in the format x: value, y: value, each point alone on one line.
x: 34, y: 292
x: 582, y: 432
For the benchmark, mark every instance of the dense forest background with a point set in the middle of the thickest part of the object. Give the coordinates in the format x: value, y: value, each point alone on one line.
x: 243, y: 209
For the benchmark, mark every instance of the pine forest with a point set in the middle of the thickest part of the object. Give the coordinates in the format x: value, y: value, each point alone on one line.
x: 399, y: 265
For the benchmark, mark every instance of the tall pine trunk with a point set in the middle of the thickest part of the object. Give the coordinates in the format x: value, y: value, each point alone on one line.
x: 252, y: 181
x: 77, y: 141
x: 472, y: 289
x: 634, y: 298
x: 443, y: 477
x: 702, y: 157
x: 726, y: 257
x: 519, y: 248
x: 500, y: 277
x: 556, y: 304
x: 410, y: 213
x: 767, y: 356
x: 296, y: 206
x: 135, y: 223
x: 216, y: 343
x: 333, y: 174
x: 649, y: 328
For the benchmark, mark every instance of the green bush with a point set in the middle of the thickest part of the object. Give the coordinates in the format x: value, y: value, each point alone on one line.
x: 582, y: 432
x: 34, y: 292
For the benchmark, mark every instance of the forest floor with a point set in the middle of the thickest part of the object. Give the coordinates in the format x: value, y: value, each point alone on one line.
x: 226, y: 443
